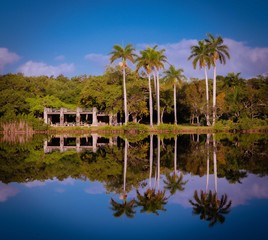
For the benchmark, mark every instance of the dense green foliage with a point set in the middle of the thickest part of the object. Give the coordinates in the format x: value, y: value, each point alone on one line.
x: 238, y: 100
x: 237, y: 155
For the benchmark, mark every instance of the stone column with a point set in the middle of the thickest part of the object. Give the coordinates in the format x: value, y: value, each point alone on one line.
x: 61, y: 116
x: 45, y: 147
x: 78, y: 118
x: 94, y: 117
x: 94, y: 141
x: 61, y: 144
x: 110, y: 119
x: 45, y: 115
x: 78, y: 144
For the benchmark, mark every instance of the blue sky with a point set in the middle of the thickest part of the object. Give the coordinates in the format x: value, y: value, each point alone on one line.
x: 70, y: 37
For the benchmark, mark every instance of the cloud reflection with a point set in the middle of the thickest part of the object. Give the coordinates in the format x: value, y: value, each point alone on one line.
x: 253, y: 187
x: 7, y: 191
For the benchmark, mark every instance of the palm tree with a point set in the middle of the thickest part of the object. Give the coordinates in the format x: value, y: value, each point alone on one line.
x: 123, y: 208
x: 174, y: 182
x: 158, y: 62
x: 217, y: 51
x: 209, y: 207
x: 145, y: 61
x: 152, y: 201
x: 174, y: 77
x: 232, y: 80
x: 200, y: 55
x: 124, y: 54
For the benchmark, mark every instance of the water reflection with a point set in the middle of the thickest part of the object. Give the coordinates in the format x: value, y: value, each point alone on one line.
x: 153, y: 199
x: 125, y: 207
x: 209, y: 176
x: 63, y: 143
x: 174, y: 181
x: 207, y: 204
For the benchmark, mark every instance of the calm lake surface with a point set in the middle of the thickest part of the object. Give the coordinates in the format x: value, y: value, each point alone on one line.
x: 143, y: 187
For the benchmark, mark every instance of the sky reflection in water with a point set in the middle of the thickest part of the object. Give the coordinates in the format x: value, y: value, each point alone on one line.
x: 81, y: 209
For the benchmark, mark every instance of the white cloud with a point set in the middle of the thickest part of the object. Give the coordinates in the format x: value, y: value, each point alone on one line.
x: 35, y: 183
x: 7, y: 191
x: 95, y: 188
x: 99, y: 59
x: 252, y: 187
x: 60, y: 58
x: 247, y: 60
x: 7, y: 57
x: 31, y: 68
x: 98, y: 62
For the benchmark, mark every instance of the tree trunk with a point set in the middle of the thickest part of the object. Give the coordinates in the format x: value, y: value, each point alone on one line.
x: 207, y: 97
x: 151, y: 160
x: 214, y: 97
x: 158, y: 162
x: 158, y: 98
x: 125, y: 95
x: 125, y: 164
x: 150, y: 101
x: 175, y: 105
x: 207, y: 145
x: 215, y: 162
x: 162, y: 114
x: 175, y: 156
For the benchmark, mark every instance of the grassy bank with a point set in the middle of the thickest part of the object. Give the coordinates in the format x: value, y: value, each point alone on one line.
x: 133, y: 128
x: 244, y: 126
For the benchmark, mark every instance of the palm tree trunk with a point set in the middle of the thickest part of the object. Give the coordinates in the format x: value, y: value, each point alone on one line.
x: 214, y: 97
x: 125, y: 164
x: 158, y: 162
x: 207, y: 97
x: 207, y: 143
x: 215, y: 162
x: 158, y: 98
x: 150, y: 101
x: 151, y: 160
x: 175, y: 156
x: 175, y: 105
x: 125, y: 95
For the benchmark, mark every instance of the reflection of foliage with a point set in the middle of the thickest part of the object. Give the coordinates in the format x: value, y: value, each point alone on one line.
x: 174, y: 182
x: 235, y: 176
x: 152, y: 201
x: 27, y: 162
x: 123, y: 208
x: 210, y: 208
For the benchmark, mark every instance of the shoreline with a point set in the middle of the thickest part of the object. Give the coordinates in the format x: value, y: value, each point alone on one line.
x: 132, y: 130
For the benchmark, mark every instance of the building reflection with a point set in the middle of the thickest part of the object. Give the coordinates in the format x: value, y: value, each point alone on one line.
x: 64, y: 143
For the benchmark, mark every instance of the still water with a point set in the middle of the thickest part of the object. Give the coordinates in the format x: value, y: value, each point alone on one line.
x: 148, y: 187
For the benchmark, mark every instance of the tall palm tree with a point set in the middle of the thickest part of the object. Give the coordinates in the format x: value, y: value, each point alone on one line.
x: 123, y: 208
x: 152, y: 201
x: 175, y: 78
x: 175, y: 182
x: 145, y: 61
x: 158, y: 61
x: 200, y: 55
x: 124, y: 54
x: 210, y: 207
x: 217, y: 51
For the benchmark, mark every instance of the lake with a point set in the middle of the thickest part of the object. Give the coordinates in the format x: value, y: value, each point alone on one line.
x: 212, y: 186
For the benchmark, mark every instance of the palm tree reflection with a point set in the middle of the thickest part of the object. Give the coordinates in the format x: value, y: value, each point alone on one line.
x: 210, y: 207
x: 174, y: 181
x: 125, y: 207
x: 207, y: 205
x: 153, y: 200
